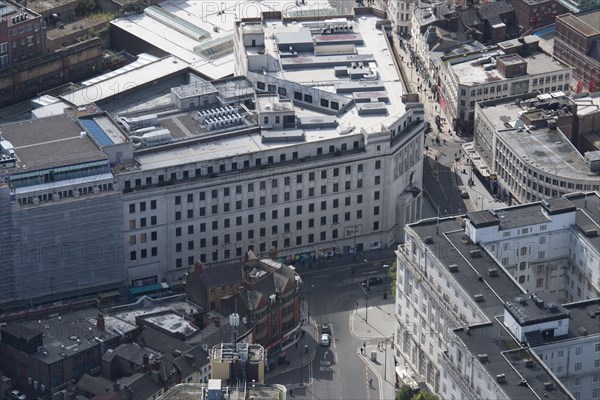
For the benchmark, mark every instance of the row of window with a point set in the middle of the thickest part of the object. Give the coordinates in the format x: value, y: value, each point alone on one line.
x: 304, y: 97
x: 217, y: 209
x: 45, y: 197
x: 208, y: 171
x: 227, y: 253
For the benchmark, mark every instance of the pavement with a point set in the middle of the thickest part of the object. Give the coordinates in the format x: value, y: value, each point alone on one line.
x: 348, y: 260
x: 299, y: 353
x: 372, y: 325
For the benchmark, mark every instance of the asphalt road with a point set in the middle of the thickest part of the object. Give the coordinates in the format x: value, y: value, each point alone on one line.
x: 441, y: 179
x: 336, y: 372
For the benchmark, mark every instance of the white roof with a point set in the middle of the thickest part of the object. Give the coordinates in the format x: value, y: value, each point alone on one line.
x: 128, y: 80
x: 204, y: 15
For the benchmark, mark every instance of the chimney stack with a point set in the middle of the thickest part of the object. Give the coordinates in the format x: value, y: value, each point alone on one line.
x: 156, y: 365
x: 198, y: 267
x: 100, y: 322
x: 145, y: 359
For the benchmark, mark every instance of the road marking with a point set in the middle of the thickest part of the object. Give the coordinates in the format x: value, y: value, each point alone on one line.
x: 325, y: 355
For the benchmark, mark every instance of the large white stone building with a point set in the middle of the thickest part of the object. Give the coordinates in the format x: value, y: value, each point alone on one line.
x: 307, y: 153
x: 523, y: 146
x: 503, y: 304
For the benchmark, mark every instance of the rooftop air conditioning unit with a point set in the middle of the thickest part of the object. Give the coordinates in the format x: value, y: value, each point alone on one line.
x: 583, y: 331
x: 475, y: 253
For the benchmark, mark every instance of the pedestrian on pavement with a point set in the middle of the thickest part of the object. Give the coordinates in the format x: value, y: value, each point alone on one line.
x: 370, y: 382
x: 365, y: 344
x: 291, y: 392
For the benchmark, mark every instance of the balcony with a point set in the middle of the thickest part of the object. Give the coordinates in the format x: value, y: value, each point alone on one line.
x: 447, y: 365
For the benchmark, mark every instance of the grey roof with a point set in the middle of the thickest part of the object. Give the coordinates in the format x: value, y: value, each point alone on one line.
x: 559, y: 205
x: 192, y: 361
x: 221, y: 275
x: 525, y: 215
x: 527, y: 310
x: 142, y: 386
x: 491, y: 338
x: 78, y: 333
x: 480, y: 219
x: 129, y: 351
x: 50, y: 142
x: 93, y: 385
x: 160, y: 342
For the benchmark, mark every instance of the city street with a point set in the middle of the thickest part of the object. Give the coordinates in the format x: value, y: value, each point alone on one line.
x: 338, y: 371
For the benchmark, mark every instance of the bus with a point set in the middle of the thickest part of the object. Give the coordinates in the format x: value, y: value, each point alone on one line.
x: 154, y: 291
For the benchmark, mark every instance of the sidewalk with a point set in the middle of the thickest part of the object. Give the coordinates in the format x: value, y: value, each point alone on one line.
x: 432, y: 108
x: 341, y: 260
x: 296, y: 355
x: 376, y: 333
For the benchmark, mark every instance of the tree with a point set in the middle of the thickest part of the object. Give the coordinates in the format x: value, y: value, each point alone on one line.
x: 392, y: 273
x: 425, y: 396
x: 405, y: 392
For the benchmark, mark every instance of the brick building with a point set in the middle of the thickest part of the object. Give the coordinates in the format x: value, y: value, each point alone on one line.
x: 269, y: 302
x: 577, y: 43
x: 22, y: 34
x: 533, y: 14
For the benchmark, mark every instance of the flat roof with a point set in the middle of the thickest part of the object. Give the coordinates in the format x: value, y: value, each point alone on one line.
x: 118, y: 85
x: 543, y: 148
x: 66, y: 334
x: 172, y: 323
x: 586, y: 24
x: 50, y: 142
x: 472, y: 72
x: 245, y: 142
x: 527, y: 311
x: 130, y: 312
x: 522, y: 215
x: 472, y: 276
x: 373, y: 52
x: 204, y: 16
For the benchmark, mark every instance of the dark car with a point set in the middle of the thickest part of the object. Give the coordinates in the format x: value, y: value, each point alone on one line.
x: 326, y: 329
x: 372, y: 282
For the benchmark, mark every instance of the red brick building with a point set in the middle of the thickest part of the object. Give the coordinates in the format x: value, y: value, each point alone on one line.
x: 577, y: 44
x: 22, y: 34
x: 533, y: 14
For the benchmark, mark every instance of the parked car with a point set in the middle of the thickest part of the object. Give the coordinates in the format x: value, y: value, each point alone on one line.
x: 372, y: 282
x: 16, y: 395
x: 463, y: 192
x: 325, y: 340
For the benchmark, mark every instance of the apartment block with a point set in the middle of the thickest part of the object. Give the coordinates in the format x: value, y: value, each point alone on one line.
x: 503, y: 304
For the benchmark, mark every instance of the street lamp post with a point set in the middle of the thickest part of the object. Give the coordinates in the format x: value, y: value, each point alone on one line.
x: 366, y: 307
x: 385, y: 268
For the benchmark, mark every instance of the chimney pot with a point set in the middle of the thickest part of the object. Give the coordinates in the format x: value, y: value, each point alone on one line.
x: 100, y: 322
